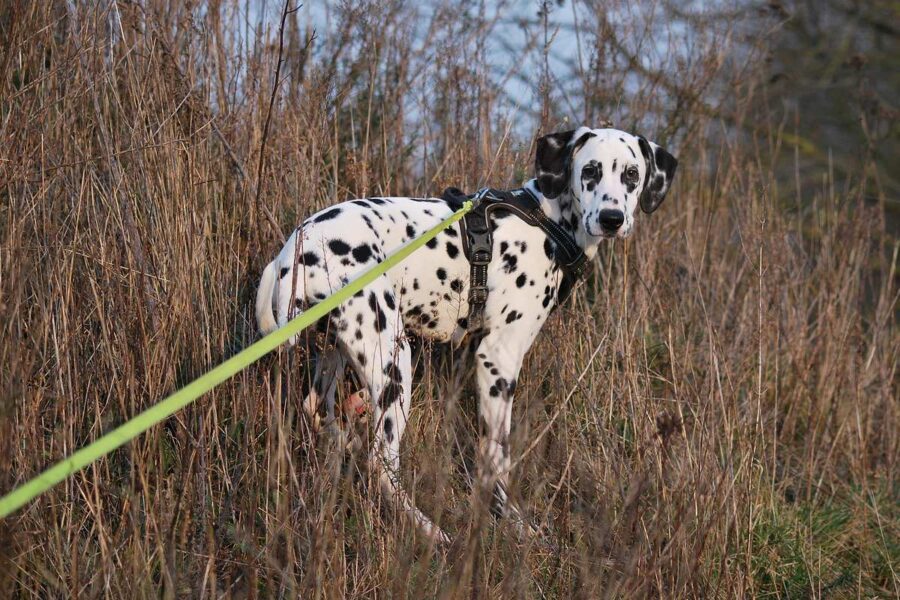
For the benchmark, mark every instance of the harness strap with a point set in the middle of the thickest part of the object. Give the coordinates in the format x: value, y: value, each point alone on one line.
x: 478, y: 246
x: 478, y: 242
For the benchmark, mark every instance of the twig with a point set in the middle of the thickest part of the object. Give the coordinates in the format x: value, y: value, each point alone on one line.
x: 131, y: 237
x: 197, y: 104
x: 561, y: 406
x: 265, y: 135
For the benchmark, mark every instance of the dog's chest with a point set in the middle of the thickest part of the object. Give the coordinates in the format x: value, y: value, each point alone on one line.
x: 434, y: 286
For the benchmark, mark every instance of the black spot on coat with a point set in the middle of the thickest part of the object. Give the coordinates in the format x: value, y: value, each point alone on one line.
x: 509, y: 262
x: 339, y: 247
x: 380, y: 317
x: 327, y: 215
x: 548, y: 249
x: 362, y: 253
x: 393, y: 389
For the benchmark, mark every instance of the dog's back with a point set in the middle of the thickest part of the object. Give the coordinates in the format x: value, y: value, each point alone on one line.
x: 337, y: 244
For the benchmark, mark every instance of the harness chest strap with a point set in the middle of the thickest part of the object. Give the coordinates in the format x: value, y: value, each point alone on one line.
x: 478, y: 242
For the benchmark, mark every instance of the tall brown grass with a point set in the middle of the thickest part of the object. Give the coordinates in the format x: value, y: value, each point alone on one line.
x: 715, y: 415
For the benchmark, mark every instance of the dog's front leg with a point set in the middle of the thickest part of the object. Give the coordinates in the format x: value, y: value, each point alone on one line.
x: 499, y: 358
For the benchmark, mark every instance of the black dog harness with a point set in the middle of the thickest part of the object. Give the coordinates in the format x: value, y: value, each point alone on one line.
x: 478, y: 242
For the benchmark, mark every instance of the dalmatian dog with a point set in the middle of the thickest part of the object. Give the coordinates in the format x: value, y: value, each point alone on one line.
x: 590, y: 181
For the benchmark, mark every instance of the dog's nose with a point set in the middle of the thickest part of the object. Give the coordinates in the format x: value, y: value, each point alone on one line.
x: 611, y: 219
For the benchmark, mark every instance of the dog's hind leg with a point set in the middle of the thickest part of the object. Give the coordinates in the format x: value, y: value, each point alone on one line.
x: 382, y: 358
x: 392, y: 388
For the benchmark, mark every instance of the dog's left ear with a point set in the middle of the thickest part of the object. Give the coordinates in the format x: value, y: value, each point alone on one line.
x: 553, y: 159
x: 660, y: 173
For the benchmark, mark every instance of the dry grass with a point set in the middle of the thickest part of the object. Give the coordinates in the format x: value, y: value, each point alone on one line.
x: 734, y: 433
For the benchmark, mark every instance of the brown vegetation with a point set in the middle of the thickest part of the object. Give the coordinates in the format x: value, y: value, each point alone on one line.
x: 715, y: 415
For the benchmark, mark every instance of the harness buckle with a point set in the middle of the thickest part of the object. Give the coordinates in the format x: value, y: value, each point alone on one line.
x: 481, y: 257
x: 578, y: 268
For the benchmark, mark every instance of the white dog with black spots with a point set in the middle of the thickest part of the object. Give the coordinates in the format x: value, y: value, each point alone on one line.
x: 590, y: 181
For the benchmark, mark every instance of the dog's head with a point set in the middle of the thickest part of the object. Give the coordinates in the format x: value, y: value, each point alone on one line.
x: 609, y: 172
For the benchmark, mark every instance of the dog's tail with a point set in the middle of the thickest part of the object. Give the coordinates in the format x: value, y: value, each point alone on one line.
x: 265, y: 317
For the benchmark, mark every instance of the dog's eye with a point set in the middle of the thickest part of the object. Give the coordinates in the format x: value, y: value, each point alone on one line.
x: 589, y: 171
x: 632, y: 173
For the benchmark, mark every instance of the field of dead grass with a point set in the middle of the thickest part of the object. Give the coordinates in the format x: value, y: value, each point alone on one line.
x: 713, y: 416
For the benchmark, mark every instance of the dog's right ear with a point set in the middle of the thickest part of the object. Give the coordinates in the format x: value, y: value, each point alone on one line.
x: 553, y: 159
